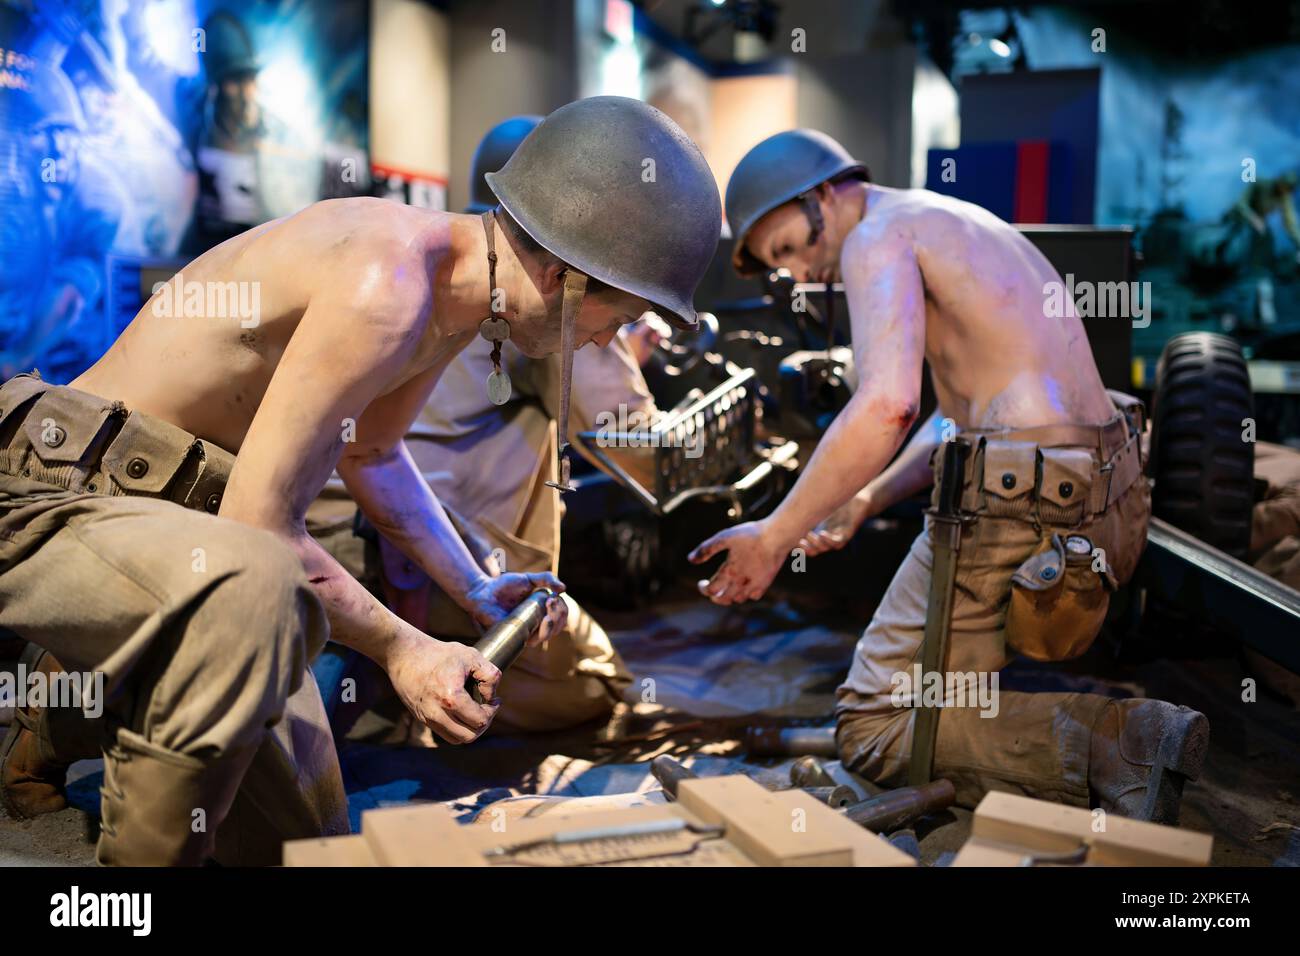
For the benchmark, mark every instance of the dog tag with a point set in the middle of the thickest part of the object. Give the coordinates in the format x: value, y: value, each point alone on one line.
x: 498, y: 387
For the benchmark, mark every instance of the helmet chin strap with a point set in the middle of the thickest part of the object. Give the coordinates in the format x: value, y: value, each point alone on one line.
x: 575, y: 287
x: 813, y: 210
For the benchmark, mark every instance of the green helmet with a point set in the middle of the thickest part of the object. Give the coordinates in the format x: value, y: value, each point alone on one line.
x: 494, y: 151
x: 614, y: 188
x: 781, y: 168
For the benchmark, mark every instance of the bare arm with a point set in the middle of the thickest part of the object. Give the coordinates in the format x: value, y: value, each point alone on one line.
x: 909, y: 472
x: 887, y: 304
x: 906, y: 475
x: 387, y: 485
x: 343, y: 352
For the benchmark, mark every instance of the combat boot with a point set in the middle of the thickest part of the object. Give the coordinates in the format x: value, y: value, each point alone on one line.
x: 40, y: 745
x: 1141, y: 753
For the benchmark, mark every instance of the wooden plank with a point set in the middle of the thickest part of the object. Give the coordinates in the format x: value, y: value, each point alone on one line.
x: 1037, y: 826
x: 424, y: 835
x: 785, y: 827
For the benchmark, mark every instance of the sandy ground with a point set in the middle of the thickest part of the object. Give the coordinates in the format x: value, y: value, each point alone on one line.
x: 720, y: 667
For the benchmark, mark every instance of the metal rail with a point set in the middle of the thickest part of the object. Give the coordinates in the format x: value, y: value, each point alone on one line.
x: 1229, y: 595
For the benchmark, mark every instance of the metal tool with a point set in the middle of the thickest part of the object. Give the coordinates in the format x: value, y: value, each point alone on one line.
x: 897, y: 808
x: 1075, y: 857
x: 626, y: 831
x: 945, y: 534
x: 505, y: 640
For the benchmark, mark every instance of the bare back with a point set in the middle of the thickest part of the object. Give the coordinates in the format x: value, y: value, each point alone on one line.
x: 996, y: 357
x: 201, y: 352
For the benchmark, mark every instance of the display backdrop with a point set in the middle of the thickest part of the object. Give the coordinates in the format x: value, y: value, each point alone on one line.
x: 134, y: 135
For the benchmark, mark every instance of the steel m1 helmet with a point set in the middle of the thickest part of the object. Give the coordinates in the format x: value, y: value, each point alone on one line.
x: 494, y: 151
x: 781, y: 168
x: 614, y: 188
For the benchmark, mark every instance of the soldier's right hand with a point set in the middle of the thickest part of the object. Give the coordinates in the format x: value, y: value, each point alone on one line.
x: 429, y: 676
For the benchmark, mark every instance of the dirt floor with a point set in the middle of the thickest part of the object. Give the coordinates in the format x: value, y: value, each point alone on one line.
x: 712, y: 672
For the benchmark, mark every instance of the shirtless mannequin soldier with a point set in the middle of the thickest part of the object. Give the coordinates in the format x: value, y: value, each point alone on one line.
x: 1054, y: 463
x: 203, y: 624
x: 490, y: 465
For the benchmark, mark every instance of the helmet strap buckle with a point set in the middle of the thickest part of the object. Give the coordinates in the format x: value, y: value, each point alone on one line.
x: 575, y: 288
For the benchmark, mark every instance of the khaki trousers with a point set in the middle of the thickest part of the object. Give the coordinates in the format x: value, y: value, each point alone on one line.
x: 1036, y: 744
x: 203, y: 629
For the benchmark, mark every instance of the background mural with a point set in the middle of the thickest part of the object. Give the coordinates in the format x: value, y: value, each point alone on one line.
x: 135, y: 135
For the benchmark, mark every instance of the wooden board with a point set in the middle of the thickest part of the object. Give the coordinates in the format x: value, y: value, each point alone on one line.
x: 1008, y: 827
x: 426, y: 835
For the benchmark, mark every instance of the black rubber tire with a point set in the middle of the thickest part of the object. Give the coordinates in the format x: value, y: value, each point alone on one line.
x: 1203, y: 469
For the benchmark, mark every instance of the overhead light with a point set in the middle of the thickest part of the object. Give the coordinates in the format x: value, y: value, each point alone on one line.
x: 999, y: 47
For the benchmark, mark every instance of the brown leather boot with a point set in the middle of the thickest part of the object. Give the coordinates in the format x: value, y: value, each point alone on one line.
x: 1141, y: 753
x: 162, y: 808
x: 37, y: 750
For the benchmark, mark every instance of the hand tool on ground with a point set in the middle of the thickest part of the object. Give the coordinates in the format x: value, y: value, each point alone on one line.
x: 624, y: 832
x: 505, y: 640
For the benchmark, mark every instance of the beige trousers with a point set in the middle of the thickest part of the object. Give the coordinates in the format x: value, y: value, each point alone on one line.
x: 1036, y: 744
x: 203, y: 629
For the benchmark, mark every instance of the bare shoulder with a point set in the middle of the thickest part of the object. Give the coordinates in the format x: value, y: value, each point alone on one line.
x: 894, y: 221
x: 379, y: 256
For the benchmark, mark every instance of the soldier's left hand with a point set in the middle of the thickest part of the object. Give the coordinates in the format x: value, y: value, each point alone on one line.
x: 495, y: 597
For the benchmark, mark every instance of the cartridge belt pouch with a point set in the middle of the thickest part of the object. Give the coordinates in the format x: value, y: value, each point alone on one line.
x: 1058, y: 495
x: 61, y: 436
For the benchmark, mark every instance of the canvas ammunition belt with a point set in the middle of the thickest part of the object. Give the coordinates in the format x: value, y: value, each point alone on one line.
x: 1062, y: 475
x: 62, y: 436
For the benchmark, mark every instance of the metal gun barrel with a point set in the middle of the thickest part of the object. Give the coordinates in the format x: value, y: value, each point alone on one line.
x: 505, y: 640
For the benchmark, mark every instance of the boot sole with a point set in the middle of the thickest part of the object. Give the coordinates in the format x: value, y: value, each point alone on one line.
x: 1179, y: 758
